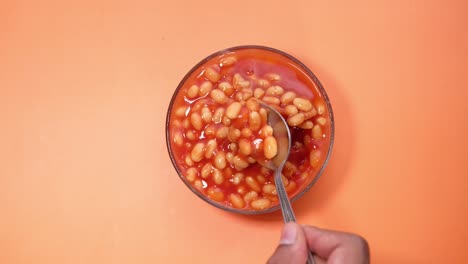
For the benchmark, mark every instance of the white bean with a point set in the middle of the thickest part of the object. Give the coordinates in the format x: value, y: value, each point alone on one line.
x: 176, y: 123
x: 263, y: 83
x: 205, y: 88
x: 288, y: 97
x: 252, y: 183
x: 269, y: 189
x: 302, y: 104
x: 266, y: 131
x: 236, y: 201
x: 240, y: 163
x: 222, y: 132
x: 197, y: 152
x: 261, y: 204
x: 191, y: 174
x: 271, y: 100
x: 218, y: 177
x: 230, y: 157
x: 291, y: 110
x: 226, y: 121
x: 246, y: 94
x: 296, y: 119
x: 270, y: 147
x: 261, y: 179
x: 216, y: 194
x: 233, y: 147
x: 307, y: 125
x: 210, y: 130
x: 180, y: 112
x: 322, y: 121
x: 314, y: 158
x: 206, y: 170
x: 226, y: 88
x: 252, y: 105
x: 196, y: 121
x: 263, y: 115
x: 274, y: 90
x: 258, y: 93
x: 237, y: 178
x: 178, y: 138
x: 188, y: 161
x: 227, y: 61
x: 190, y: 135
x: 186, y: 123
x: 218, y: 115
x: 246, y: 132
x: 239, y: 97
x: 212, y: 75
x: 234, y: 134
x: 289, y: 169
x: 220, y: 160
x: 206, y: 114
x: 255, y: 121
x: 245, y: 147
x: 233, y: 110
x: 198, y: 184
x: 310, y: 114
x: 273, y: 77
x: 192, y: 91
x: 250, y: 196
x: 243, y: 84
x: 320, y: 109
x: 218, y: 96
x: 317, y: 132
x: 239, y: 82
x: 241, y: 190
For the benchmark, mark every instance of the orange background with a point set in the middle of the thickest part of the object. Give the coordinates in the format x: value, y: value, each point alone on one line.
x: 85, y: 85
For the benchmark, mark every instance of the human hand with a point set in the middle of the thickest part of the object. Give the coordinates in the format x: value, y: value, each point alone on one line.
x: 330, y: 247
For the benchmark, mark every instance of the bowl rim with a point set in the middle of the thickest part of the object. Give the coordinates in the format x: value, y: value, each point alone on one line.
x: 307, y: 71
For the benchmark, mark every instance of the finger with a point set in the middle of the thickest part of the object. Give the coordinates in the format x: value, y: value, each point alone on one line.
x: 292, y: 247
x: 325, y: 242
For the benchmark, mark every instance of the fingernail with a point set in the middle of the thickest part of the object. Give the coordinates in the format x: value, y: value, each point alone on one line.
x: 289, y: 234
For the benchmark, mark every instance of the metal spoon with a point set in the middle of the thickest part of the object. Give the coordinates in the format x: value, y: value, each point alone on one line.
x: 283, y: 137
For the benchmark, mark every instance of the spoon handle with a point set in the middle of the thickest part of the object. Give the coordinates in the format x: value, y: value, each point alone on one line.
x: 286, y: 208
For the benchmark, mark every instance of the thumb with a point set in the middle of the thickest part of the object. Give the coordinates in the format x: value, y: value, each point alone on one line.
x: 292, y: 247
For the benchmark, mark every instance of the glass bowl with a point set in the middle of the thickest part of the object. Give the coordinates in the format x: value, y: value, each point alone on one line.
x: 303, y: 72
